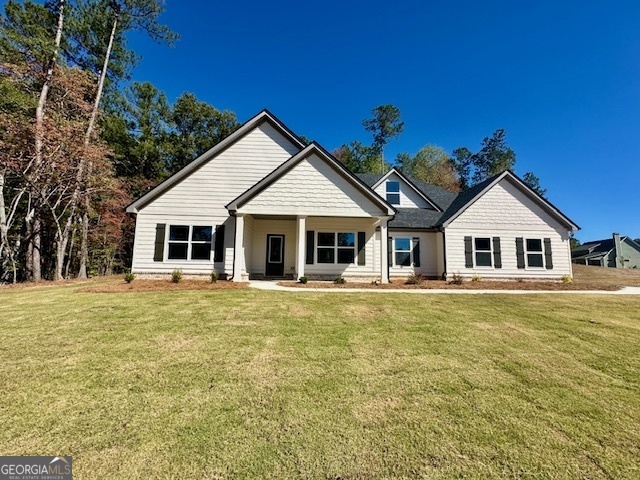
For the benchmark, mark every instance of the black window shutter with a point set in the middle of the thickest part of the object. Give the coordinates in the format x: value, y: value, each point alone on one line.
x: 520, y: 251
x: 548, y: 260
x: 158, y: 251
x: 468, y: 252
x: 310, y: 246
x: 390, y: 251
x: 218, y: 253
x: 416, y: 251
x: 361, y: 248
x: 497, y: 253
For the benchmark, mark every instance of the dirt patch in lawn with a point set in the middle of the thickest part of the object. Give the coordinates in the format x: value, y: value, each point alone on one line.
x: 145, y: 285
x: 467, y: 285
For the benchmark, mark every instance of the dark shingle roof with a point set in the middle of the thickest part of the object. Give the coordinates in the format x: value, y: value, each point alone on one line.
x: 415, y: 218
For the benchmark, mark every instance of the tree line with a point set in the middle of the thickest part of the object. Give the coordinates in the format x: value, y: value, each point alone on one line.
x: 75, y: 146
x: 457, y: 171
x: 79, y: 139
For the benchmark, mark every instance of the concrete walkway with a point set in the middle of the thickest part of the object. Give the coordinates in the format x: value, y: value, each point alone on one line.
x: 273, y: 286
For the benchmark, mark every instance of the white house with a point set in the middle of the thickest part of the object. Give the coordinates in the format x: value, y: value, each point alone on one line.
x: 261, y: 203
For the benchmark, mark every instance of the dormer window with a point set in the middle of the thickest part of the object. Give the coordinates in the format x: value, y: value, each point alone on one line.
x: 393, y: 193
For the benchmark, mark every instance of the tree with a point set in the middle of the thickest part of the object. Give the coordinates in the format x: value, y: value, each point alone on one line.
x: 385, y: 125
x: 358, y: 158
x: 494, y: 157
x: 462, y: 163
x: 149, y: 113
x: 430, y: 164
x: 533, y: 182
x: 198, y: 127
x: 41, y: 53
x: 574, y: 243
x: 126, y: 15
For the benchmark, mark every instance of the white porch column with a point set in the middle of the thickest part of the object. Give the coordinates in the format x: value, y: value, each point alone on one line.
x: 384, y: 250
x: 238, y: 249
x: 301, y: 234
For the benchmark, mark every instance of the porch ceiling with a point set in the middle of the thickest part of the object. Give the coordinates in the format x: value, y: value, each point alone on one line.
x: 260, y: 216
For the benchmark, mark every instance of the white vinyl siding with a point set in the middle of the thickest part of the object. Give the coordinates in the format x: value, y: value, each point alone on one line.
x: 200, y: 198
x: 506, y: 212
x: 372, y: 248
x: 430, y: 258
x: 257, y: 252
x: 409, y: 198
x: 310, y: 187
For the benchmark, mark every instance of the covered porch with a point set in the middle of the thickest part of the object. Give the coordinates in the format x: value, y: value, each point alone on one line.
x: 318, y: 247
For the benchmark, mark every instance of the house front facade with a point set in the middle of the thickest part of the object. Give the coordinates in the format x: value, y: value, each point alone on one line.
x: 262, y: 204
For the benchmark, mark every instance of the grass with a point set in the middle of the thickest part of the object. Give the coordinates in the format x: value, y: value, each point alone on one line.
x: 629, y: 277
x: 253, y: 384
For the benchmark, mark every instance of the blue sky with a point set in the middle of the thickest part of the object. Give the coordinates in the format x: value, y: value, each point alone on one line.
x: 563, y: 79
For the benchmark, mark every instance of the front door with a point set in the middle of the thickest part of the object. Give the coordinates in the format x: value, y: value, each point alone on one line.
x: 275, y: 256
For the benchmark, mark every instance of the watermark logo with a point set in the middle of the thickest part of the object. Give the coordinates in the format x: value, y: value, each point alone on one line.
x: 35, y: 468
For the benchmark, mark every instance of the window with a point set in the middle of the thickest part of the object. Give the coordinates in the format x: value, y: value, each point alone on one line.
x: 402, y: 252
x: 192, y: 242
x: 482, y: 252
x: 393, y: 193
x: 336, y: 247
x: 533, y: 251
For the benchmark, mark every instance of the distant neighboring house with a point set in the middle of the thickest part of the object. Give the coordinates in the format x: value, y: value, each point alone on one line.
x: 261, y: 203
x: 615, y: 252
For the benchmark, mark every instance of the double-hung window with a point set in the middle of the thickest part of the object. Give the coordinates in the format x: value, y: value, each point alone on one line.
x: 533, y: 253
x: 336, y: 247
x: 482, y: 253
x: 189, y: 242
x: 393, y: 192
x: 402, y: 255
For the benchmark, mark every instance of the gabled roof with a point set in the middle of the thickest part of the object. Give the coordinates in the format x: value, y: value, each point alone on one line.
x: 600, y: 247
x: 406, y: 180
x: 438, y: 195
x: 263, y: 116
x: 312, y: 148
x: 467, y: 198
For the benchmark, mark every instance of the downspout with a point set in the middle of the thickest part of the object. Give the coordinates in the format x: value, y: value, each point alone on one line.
x: 444, y: 253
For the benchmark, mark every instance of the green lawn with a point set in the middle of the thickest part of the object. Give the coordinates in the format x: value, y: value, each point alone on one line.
x: 252, y: 384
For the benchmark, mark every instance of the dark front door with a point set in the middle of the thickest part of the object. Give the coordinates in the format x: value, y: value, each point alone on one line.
x: 275, y: 256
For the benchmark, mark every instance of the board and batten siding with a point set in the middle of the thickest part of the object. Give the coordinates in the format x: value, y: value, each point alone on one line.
x: 200, y: 198
x: 409, y: 198
x: 429, y: 258
x: 506, y: 212
x: 310, y: 187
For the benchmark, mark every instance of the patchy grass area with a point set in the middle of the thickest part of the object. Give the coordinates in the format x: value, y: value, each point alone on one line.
x: 629, y: 277
x: 254, y: 384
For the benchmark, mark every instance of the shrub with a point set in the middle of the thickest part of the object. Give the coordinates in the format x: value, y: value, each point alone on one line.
x: 176, y: 275
x: 339, y: 280
x: 566, y: 278
x: 303, y: 279
x: 129, y: 277
x: 457, y: 279
x: 476, y: 278
x: 414, y: 279
x: 214, y: 276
